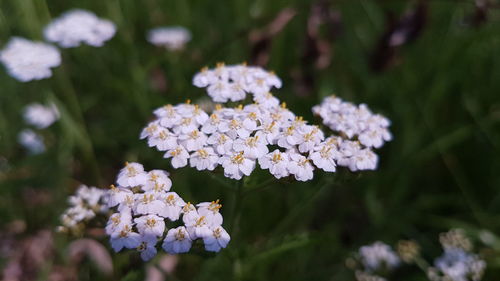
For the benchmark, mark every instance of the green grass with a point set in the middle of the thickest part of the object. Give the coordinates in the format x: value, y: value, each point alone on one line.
x: 442, y: 95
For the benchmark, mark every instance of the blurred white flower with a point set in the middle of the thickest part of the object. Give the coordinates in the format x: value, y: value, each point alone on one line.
x: 79, y: 26
x: 171, y: 37
x: 32, y: 141
x: 40, y: 116
x: 354, y: 121
x: 377, y: 256
x: 27, y: 60
x: 85, y: 204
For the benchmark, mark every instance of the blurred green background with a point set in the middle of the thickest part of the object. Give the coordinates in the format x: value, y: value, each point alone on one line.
x: 432, y: 67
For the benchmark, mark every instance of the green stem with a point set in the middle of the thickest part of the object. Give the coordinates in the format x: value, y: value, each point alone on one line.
x: 70, y: 98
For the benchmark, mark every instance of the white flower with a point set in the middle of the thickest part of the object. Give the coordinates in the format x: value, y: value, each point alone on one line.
x: 371, y: 129
x: 277, y: 162
x: 235, y: 128
x: 179, y: 156
x: 193, y: 141
x: 377, y: 255
x: 125, y: 238
x: 150, y: 225
x: 253, y: 147
x: 300, y: 167
x: 27, y: 60
x: 237, y: 165
x: 173, y: 37
x: 364, y: 159
x: 117, y: 221
x: 147, y: 247
x: 172, y: 207
x: 221, y: 143
x: 219, y: 238
x: 40, y: 116
x: 204, y: 159
x: 79, y: 26
x: 162, y: 139
x: 189, y: 213
x: 198, y: 228
x: 148, y: 204
x: 132, y: 175
x: 210, y: 210
x: 32, y: 141
x: 458, y: 265
x: 118, y: 195
x: 324, y: 157
x: 158, y: 181
x: 310, y: 139
x: 177, y: 241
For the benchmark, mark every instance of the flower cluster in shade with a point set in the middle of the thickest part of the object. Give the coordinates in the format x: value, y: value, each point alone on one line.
x: 457, y: 263
x: 145, y: 206
x: 238, y: 138
x: 40, y: 117
x: 27, y: 60
x: 172, y: 38
x: 79, y: 26
x: 85, y: 204
x: 378, y: 256
x: 376, y: 262
x: 354, y: 121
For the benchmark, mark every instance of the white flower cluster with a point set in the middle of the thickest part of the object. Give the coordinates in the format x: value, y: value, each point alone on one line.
x: 85, y: 204
x: 144, y: 205
x: 172, y: 37
x: 41, y: 116
x: 458, y: 265
x: 27, y: 60
x: 233, y: 82
x: 378, y: 256
x: 31, y: 140
x: 79, y: 26
x: 264, y: 132
x: 371, y: 130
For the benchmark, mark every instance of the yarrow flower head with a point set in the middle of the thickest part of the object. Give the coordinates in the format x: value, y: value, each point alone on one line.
x: 145, y: 207
x: 41, y: 116
x: 32, y: 141
x: 26, y: 60
x: 79, y: 26
x: 238, y: 138
x: 457, y: 263
x: 377, y: 256
x: 370, y: 129
x: 171, y: 37
x: 85, y: 204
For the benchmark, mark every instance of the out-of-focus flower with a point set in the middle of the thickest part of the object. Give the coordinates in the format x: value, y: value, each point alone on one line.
x: 79, y: 26
x: 40, y: 116
x: 408, y: 250
x: 171, y: 37
x: 377, y: 256
x: 85, y: 204
x: 27, y: 60
x: 32, y: 141
x: 458, y: 265
x: 352, y: 120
